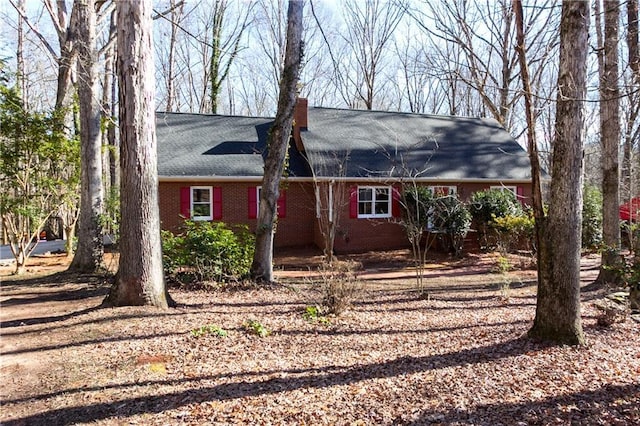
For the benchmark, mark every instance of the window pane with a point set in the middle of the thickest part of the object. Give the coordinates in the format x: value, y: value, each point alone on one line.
x: 364, y: 208
x: 382, y: 194
x: 201, y: 196
x: 382, y: 207
x: 365, y: 194
x: 202, y: 210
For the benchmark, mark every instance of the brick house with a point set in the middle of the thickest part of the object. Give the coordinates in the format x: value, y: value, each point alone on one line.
x: 210, y: 168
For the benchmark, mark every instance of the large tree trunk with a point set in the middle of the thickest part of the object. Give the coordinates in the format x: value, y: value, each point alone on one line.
x: 90, y: 252
x: 140, y: 279
x: 610, y: 136
x: 278, y: 143
x: 558, y: 303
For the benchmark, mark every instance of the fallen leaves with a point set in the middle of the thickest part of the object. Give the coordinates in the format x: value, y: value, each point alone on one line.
x: 458, y: 358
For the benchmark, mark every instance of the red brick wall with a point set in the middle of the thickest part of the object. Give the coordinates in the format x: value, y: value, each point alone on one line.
x: 295, y: 229
x: 300, y: 227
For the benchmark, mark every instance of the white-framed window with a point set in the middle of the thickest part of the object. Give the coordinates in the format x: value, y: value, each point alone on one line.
x: 511, y: 188
x: 443, y: 191
x: 374, y: 201
x: 254, y: 202
x: 202, y: 202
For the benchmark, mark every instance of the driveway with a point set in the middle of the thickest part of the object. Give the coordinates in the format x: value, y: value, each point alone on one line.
x: 43, y: 247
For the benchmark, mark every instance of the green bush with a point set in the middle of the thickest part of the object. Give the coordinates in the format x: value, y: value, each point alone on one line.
x: 452, y: 218
x: 591, y: 217
x: 209, y: 251
x: 515, y: 231
x: 487, y: 206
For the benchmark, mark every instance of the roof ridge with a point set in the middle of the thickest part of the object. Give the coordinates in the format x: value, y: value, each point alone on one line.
x: 201, y: 114
x: 449, y: 116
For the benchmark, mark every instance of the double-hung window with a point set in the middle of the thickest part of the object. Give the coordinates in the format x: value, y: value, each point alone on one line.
x: 510, y: 188
x: 202, y: 202
x: 443, y: 191
x: 374, y: 201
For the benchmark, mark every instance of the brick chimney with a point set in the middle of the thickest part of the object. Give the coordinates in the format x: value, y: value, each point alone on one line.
x: 300, y: 121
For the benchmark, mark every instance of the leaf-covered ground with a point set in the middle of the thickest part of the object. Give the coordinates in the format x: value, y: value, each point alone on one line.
x: 460, y: 357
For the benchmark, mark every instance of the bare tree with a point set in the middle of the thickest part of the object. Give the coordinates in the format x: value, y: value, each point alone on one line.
x: 176, y: 15
x: 278, y: 143
x: 610, y: 141
x: 484, y: 58
x: 139, y: 280
x: 90, y: 253
x: 558, y: 302
x: 223, y: 52
x: 532, y: 142
x: 369, y: 28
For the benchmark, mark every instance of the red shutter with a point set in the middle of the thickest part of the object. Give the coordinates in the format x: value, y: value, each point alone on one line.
x: 252, y: 193
x: 520, y: 194
x: 395, y: 201
x: 282, y: 204
x: 217, y: 203
x: 353, y: 202
x: 185, y: 202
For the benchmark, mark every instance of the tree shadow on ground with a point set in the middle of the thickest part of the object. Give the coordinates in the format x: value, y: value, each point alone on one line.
x: 594, y: 407
x: 313, y: 378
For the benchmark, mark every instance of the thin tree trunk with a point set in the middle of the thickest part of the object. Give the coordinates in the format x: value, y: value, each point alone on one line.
x: 558, y: 303
x: 140, y: 279
x: 20, y: 58
x: 278, y: 143
x: 532, y: 143
x: 610, y: 136
x: 89, y: 255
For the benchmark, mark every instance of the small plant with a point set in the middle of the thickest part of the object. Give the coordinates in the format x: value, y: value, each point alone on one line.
x: 210, y: 329
x: 502, y: 267
x: 313, y: 314
x: 338, y: 286
x: 255, y: 327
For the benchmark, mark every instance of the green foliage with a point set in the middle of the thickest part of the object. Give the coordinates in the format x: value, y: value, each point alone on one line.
x: 514, y: 230
x: 208, y: 251
x: 488, y: 206
x: 418, y: 203
x: 493, y: 203
x: 39, y: 167
x: 591, y: 217
x: 110, y: 219
x: 313, y: 314
x: 502, y: 265
x: 452, y: 219
x: 210, y: 329
x: 255, y: 327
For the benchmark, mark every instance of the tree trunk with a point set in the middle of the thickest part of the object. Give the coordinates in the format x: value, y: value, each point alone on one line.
x: 532, y: 143
x: 278, y: 143
x: 89, y: 254
x: 140, y: 279
x: 558, y: 303
x: 610, y: 136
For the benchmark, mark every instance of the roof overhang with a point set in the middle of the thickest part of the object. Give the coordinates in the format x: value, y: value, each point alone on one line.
x: 338, y: 179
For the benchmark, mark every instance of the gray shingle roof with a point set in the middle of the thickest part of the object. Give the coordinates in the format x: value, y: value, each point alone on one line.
x: 395, y: 144
x: 215, y: 145
x: 376, y: 144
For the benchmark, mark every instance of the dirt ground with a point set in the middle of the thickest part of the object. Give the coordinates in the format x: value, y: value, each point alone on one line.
x: 460, y: 356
